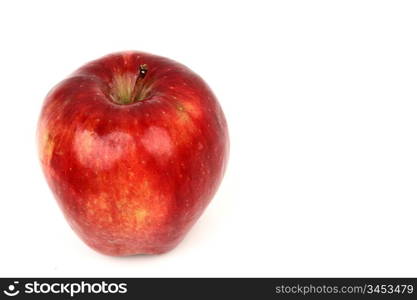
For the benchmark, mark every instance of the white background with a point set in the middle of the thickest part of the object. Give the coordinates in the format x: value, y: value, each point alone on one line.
x: 321, y: 100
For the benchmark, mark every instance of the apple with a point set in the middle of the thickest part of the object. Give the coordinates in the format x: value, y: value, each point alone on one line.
x: 133, y: 147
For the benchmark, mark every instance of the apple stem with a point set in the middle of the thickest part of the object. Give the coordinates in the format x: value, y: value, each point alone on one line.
x: 143, y: 69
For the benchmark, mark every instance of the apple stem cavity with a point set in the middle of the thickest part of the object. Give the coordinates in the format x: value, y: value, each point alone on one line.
x: 124, y: 93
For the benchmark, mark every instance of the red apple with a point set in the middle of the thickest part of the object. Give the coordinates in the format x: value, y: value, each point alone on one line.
x: 134, y: 147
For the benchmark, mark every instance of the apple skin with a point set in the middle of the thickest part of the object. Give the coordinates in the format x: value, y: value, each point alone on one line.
x: 132, y: 178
